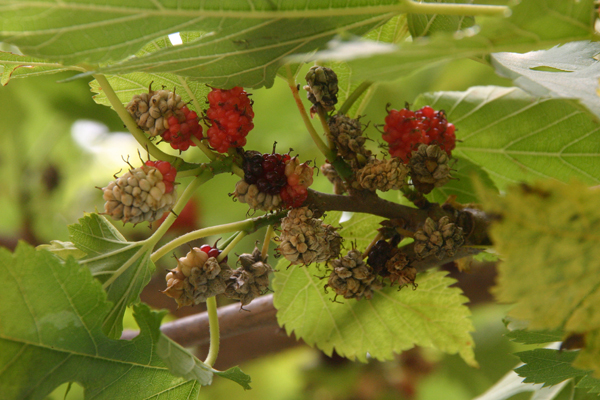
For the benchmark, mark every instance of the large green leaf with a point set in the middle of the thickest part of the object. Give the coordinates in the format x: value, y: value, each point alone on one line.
x: 568, y: 71
x: 247, y: 52
x: 108, y: 252
x: 514, y: 136
x: 101, y: 31
x: 548, y: 238
x: 51, y: 316
x: 533, y: 24
x: 128, y: 85
x: 433, y: 315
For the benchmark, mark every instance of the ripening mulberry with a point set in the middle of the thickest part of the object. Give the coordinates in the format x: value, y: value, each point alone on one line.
x: 273, y: 181
x: 163, y: 113
x: 405, y: 130
x: 141, y: 194
x: 299, y: 178
x: 230, y: 116
x: 382, y: 175
x: 305, y: 240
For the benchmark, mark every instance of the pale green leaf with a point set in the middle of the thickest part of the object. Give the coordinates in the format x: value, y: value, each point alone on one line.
x: 548, y: 238
x: 110, y: 256
x: 567, y: 71
x: 390, y: 32
x: 533, y: 24
x: 433, y: 315
x: 63, y: 249
x: 426, y: 25
x: 18, y: 66
x: 51, y: 333
x: 514, y: 136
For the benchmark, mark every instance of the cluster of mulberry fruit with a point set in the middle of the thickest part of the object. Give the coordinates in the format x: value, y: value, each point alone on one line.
x: 199, y: 275
x: 405, y: 130
x: 141, y: 194
x: 272, y: 181
x: 163, y: 113
x: 230, y: 116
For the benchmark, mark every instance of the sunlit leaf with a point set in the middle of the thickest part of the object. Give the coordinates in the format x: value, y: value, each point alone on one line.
x: 51, y: 333
x: 567, y: 71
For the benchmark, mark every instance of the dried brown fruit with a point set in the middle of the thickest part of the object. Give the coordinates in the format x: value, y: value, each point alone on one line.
x: 352, y: 278
x: 305, y: 240
x: 440, y: 238
x: 429, y: 168
x: 250, y: 280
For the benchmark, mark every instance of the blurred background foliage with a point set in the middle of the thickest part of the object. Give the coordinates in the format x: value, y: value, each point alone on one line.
x: 57, y: 145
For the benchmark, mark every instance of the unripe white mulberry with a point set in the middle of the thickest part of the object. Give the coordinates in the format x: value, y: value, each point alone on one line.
x: 141, y: 194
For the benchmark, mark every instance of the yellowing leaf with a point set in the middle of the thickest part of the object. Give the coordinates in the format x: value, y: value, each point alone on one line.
x: 549, y: 240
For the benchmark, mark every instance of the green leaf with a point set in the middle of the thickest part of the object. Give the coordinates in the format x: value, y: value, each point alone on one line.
x: 566, y: 71
x: 514, y: 136
x: 527, y: 336
x: 51, y: 333
x: 591, y: 384
x: 128, y: 85
x: 111, y: 257
x: 246, y: 53
x: 433, y: 315
x: 86, y: 31
x: 533, y: 24
x: 461, y: 186
x: 235, y: 374
x: 548, y: 366
x: 426, y: 25
x: 18, y: 66
x: 547, y: 235
x: 182, y: 363
x: 486, y: 256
